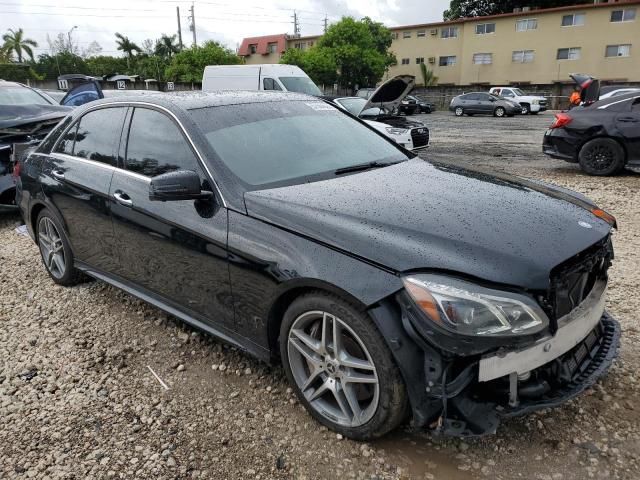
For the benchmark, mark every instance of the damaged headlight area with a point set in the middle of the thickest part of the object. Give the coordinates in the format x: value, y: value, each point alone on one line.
x: 466, y: 308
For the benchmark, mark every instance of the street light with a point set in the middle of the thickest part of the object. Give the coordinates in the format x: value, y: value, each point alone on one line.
x: 69, y: 37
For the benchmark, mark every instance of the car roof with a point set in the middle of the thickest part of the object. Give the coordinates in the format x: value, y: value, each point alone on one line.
x: 191, y: 100
x: 603, y: 104
x: 6, y: 83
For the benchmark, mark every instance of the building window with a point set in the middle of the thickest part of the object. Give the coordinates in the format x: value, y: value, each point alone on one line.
x: 485, y: 28
x: 568, y: 53
x: 272, y: 48
x: 522, y: 56
x: 406, y: 34
x: 310, y: 44
x: 482, y: 58
x: 405, y: 61
x: 299, y: 45
x: 526, y: 24
x: 626, y: 15
x: 419, y: 60
x: 618, y: 51
x: 253, y: 48
x: 448, y: 61
x: 573, y: 20
x: 394, y: 35
x: 449, y: 32
x: 421, y: 33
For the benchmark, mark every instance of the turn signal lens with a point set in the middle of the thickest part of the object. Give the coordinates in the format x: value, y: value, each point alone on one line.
x: 562, y: 120
x: 607, y: 217
x: 424, y: 300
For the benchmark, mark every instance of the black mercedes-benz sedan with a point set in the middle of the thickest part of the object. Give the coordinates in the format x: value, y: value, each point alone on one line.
x: 603, y: 137
x: 387, y: 285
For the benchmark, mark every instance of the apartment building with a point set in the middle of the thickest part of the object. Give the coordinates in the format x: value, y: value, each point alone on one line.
x: 525, y: 46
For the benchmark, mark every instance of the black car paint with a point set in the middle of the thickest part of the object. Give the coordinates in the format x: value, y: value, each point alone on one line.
x: 617, y: 118
x: 233, y: 267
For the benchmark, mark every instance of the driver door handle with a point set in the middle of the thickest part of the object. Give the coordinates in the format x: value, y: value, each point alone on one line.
x: 628, y: 119
x: 123, y: 199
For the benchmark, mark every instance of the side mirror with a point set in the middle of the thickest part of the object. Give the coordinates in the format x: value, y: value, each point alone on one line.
x: 177, y: 185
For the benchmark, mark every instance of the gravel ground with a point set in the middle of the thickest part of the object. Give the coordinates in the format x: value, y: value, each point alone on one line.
x: 78, y: 398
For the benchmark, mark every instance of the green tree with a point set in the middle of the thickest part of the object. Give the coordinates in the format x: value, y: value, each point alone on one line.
x: 50, y: 66
x: 188, y: 65
x: 127, y: 46
x: 428, y: 78
x: 318, y: 63
x: 150, y: 66
x: 101, y: 65
x: 476, y: 8
x: 14, y: 42
x: 166, y: 46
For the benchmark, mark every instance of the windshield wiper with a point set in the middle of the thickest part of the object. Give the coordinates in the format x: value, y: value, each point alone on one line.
x: 365, y: 166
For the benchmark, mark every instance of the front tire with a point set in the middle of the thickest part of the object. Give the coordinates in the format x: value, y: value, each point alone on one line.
x: 601, y: 156
x: 341, y: 368
x: 55, y: 250
x: 526, y: 109
x: 499, y: 112
x: 459, y: 111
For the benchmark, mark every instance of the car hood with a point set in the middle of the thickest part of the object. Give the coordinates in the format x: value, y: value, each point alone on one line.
x: 396, y: 121
x: 391, y: 93
x: 419, y: 215
x: 16, y: 115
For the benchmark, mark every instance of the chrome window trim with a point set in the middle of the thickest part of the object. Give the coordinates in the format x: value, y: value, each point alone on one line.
x: 64, y: 156
x: 159, y: 107
x: 632, y: 99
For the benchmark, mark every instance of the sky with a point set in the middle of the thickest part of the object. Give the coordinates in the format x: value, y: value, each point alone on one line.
x: 222, y: 20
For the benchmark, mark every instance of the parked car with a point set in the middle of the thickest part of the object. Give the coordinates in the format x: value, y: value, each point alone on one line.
x: 286, y: 78
x: 602, y: 137
x: 26, y: 117
x: 480, y: 103
x: 376, y: 110
x: 408, y: 106
x: 384, y: 283
x: 531, y: 104
x: 617, y: 91
x: 423, y: 105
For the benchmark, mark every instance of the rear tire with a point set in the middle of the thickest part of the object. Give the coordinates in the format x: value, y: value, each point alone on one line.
x: 55, y: 250
x: 459, y: 111
x: 322, y: 374
x: 601, y: 156
x: 499, y: 112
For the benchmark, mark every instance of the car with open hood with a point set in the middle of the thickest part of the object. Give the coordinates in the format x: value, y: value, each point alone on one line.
x: 387, y: 285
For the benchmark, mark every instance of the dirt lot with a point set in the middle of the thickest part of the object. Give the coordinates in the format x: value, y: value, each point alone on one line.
x: 77, y: 399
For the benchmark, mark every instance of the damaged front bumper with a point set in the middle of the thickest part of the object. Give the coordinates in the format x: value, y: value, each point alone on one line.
x: 469, y: 395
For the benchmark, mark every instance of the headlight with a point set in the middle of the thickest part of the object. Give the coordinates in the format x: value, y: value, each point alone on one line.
x: 396, y: 131
x: 535, y: 102
x: 469, y: 309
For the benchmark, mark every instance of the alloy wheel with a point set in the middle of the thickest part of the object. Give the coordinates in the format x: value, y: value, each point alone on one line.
x: 459, y: 111
x: 333, y: 369
x: 51, y: 247
x: 499, y: 112
x: 599, y: 157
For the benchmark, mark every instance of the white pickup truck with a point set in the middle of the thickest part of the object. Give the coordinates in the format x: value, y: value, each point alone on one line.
x: 529, y: 103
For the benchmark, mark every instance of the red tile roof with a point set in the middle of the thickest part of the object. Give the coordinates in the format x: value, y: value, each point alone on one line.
x: 262, y: 44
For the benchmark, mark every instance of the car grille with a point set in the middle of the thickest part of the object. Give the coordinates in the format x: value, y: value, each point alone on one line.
x: 543, y: 103
x: 420, y: 137
x: 574, y: 279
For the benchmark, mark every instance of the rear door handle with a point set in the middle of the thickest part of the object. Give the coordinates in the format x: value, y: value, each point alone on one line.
x: 123, y: 199
x: 59, y: 174
x: 628, y: 119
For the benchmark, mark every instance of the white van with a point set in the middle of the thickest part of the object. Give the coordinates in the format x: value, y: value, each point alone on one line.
x: 286, y: 78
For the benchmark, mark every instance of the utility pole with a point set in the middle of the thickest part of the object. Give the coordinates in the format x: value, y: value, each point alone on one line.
x: 179, y: 28
x: 192, y: 27
x: 326, y: 22
x: 296, y: 25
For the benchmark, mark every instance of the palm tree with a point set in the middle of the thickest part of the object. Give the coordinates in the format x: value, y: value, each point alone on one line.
x: 127, y: 46
x: 166, y: 46
x: 428, y: 78
x: 14, y: 41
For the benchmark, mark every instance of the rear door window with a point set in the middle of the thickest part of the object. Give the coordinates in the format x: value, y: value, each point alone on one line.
x: 98, y: 135
x: 156, y: 145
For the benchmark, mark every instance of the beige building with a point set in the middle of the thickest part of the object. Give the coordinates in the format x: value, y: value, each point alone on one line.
x: 528, y: 46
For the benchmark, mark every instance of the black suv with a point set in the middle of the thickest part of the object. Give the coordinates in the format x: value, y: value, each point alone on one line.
x: 384, y: 283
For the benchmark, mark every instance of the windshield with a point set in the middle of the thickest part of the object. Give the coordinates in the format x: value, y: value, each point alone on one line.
x: 300, y: 85
x: 18, y: 95
x: 288, y: 142
x: 353, y: 105
x: 519, y: 92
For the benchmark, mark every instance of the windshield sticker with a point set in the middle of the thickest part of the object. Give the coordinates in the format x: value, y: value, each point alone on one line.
x: 320, y: 106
